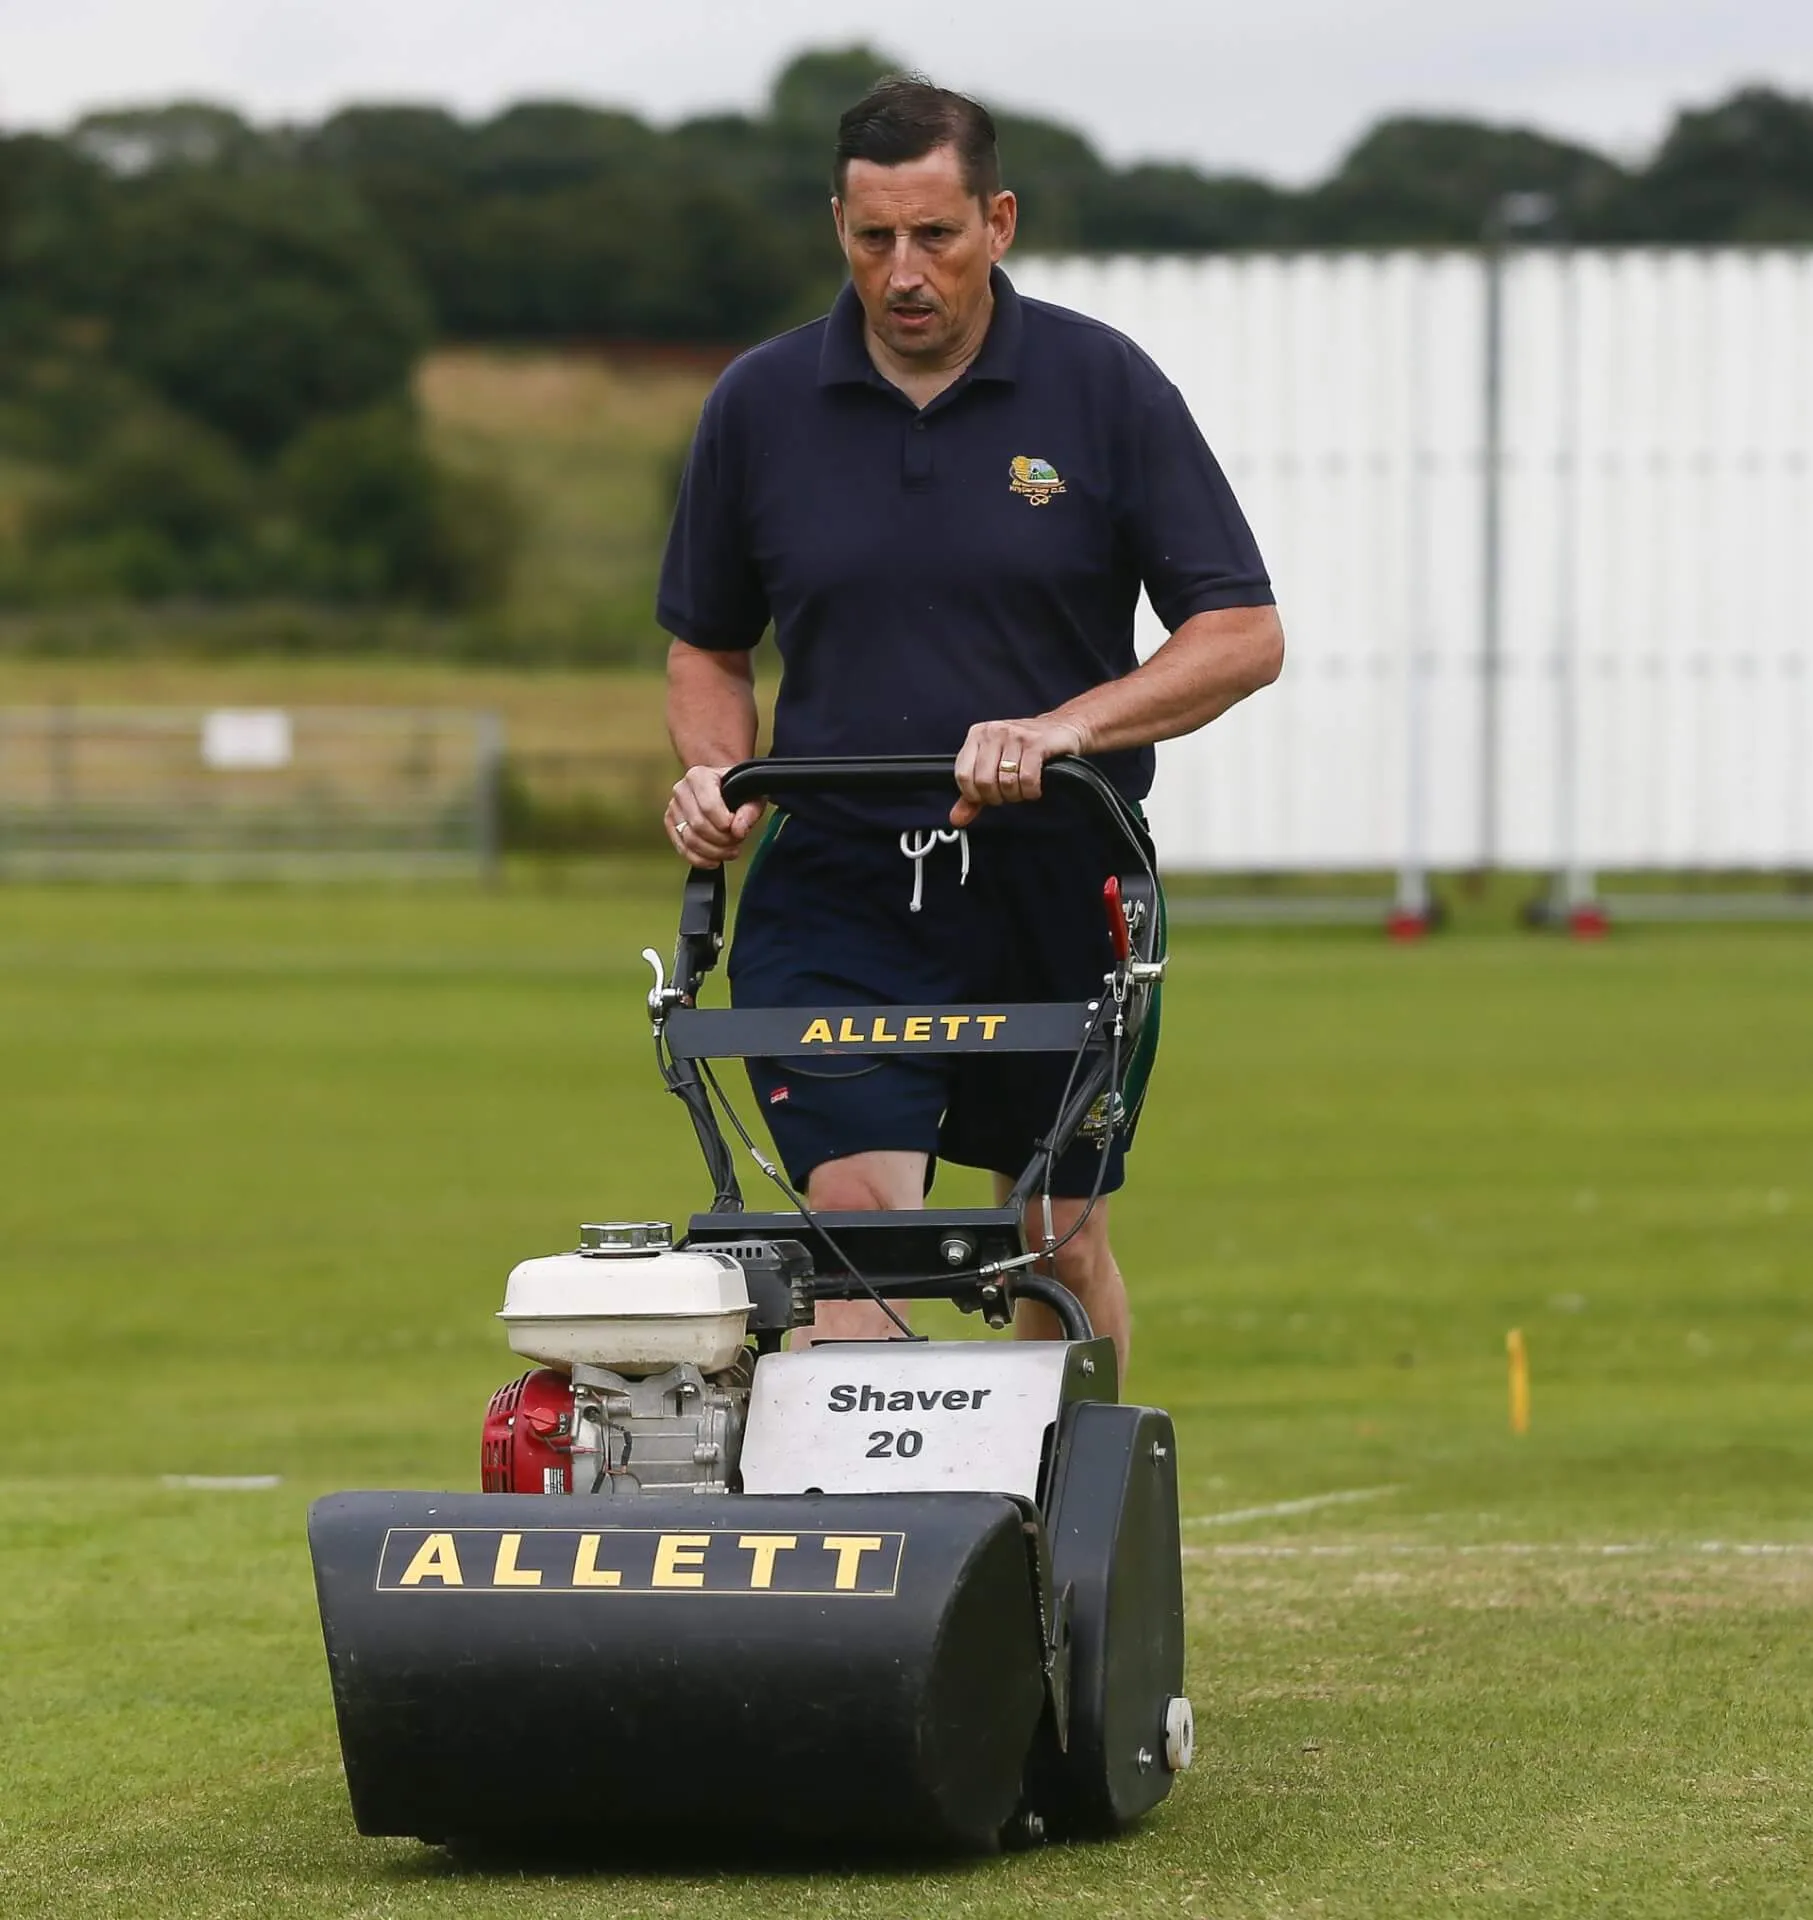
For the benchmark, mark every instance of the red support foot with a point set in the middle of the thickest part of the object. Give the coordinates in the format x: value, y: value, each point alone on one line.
x: 1404, y: 927
x: 1588, y: 923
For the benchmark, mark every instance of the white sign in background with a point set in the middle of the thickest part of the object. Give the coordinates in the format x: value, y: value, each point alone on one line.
x: 247, y: 740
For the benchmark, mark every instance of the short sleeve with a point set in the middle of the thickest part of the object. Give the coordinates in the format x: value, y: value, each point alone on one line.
x: 711, y: 594
x: 1194, y: 549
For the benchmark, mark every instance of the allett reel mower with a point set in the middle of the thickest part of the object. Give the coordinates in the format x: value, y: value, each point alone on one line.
x: 899, y: 1593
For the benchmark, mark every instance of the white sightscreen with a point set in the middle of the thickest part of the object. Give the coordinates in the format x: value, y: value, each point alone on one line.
x: 1655, y: 697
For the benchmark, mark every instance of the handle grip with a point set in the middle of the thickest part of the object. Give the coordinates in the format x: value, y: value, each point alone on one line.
x: 878, y: 774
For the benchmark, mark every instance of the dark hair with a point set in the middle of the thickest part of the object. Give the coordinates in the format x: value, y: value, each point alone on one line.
x: 904, y: 117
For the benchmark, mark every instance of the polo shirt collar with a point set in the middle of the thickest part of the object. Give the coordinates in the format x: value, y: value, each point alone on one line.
x: 844, y: 360
x: 1000, y: 355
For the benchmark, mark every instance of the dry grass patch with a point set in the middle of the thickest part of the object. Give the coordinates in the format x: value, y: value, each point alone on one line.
x: 548, y: 711
x: 592, y: 451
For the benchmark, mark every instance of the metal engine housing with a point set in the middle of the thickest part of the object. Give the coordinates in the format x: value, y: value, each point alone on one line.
x: 675, y: 1430
x: 600, y: 1432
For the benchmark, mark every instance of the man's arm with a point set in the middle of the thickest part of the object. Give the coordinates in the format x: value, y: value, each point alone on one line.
x: 1211, y: 662
x: 711, y: 720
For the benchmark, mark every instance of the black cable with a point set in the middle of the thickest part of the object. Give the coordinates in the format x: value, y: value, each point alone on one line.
x: 726, y: 1196
x: 1101, y: 1171
x: 1134, y: 833
x: 804, y: 1211
x: 1048, y: 1146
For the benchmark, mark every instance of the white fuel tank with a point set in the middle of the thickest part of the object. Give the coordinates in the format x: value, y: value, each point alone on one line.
x: 630, y: 1301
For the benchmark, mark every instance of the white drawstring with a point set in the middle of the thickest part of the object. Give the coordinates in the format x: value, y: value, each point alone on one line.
x: 917, y: 845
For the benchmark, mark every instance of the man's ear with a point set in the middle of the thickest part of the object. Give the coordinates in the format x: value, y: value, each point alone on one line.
x: 1003, y: 218
x: 837, y: 220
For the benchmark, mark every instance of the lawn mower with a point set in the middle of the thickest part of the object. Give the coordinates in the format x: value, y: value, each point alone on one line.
x: 896, y: 1592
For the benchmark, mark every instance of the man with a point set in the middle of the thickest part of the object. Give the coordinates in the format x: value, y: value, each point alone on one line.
x: 945, y: 499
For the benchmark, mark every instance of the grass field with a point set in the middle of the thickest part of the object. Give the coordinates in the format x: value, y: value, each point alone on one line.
x: 268, y: 1155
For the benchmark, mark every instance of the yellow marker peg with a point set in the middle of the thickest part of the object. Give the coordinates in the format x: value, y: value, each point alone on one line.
x: 1520, y: 1380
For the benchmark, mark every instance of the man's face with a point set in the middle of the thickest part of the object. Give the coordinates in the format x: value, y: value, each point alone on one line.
x: 920, y: 246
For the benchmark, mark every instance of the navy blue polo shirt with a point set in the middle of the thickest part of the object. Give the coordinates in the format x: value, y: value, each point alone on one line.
x: 979, y: 559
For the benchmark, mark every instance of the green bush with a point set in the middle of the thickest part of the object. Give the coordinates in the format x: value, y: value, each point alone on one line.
x: 364, y: 487
x: 256, y: 304
x: 531, y: 821
x: 205, y: 356
x: 161, y: 507
x: 356, y: 511
x: 167, y: 477
x: 123, y: 563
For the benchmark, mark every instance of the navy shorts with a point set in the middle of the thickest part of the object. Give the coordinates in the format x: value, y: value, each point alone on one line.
x: 826, y: 920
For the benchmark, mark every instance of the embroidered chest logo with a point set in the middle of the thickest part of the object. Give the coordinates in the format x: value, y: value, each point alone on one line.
x: 1035, y: 481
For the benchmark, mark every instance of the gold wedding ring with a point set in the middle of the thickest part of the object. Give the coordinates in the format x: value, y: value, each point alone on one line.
x: 680, y: 827
x: 1010, y: 766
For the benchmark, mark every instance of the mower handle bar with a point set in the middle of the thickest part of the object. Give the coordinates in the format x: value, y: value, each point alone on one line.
x: 702, y: 904
x: 897, y: 773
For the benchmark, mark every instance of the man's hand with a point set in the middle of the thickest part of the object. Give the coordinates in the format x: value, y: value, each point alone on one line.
x: 1002, y: 760
x: 706, y: 832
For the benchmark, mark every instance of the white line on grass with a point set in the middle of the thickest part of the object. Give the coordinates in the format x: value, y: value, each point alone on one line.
x: 1604, y: 1549
x: 1281, y: 1507
x: 223, y: 1482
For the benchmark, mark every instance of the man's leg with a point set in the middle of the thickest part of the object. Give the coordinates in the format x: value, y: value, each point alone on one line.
x: 1085, y: 1265
x: 862, y: 1183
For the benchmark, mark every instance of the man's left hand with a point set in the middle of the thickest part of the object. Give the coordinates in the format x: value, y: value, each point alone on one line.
x: 1002, y: 760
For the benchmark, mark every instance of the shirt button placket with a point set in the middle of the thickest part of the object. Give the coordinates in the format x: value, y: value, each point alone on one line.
x: 916, y: 455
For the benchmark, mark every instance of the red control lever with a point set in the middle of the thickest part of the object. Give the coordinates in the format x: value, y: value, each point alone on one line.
x: 1118, y: 930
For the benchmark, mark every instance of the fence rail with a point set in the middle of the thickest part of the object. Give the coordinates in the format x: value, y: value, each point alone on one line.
x: 322, y: 791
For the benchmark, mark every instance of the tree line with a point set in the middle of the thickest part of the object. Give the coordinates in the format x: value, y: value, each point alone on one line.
x: 555, y: 220
x: 208, y: 327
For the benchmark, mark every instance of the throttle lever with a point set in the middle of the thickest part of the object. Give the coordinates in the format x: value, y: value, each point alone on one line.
x: 1119, y: 933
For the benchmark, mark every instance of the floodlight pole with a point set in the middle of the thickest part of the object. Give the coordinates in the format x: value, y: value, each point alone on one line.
x: 1509, y: 215
x: 1491, y: 609
x: 1412, y: 909
x: 1573, y: 902
x: 1566, y: 614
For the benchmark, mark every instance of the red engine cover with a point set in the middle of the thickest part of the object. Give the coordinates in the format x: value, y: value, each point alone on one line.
x: 528, y: 1446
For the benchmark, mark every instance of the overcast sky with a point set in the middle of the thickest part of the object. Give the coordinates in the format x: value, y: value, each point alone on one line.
x: 1279, y: 87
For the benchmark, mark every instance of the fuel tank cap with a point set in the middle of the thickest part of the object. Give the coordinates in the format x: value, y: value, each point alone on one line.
x: 612, y: 1239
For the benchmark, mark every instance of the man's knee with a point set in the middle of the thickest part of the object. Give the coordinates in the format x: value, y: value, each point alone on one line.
x: 1087, y: 1267
x: 1082, y: 1231
x: 867, y: 1182
x: 860, y: 1183
x: 841, y: 1186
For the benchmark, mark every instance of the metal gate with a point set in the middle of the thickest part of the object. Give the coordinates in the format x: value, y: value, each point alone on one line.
x: 260, y: 792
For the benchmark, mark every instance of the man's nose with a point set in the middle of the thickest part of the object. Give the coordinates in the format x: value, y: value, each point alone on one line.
x: 905, y: 269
